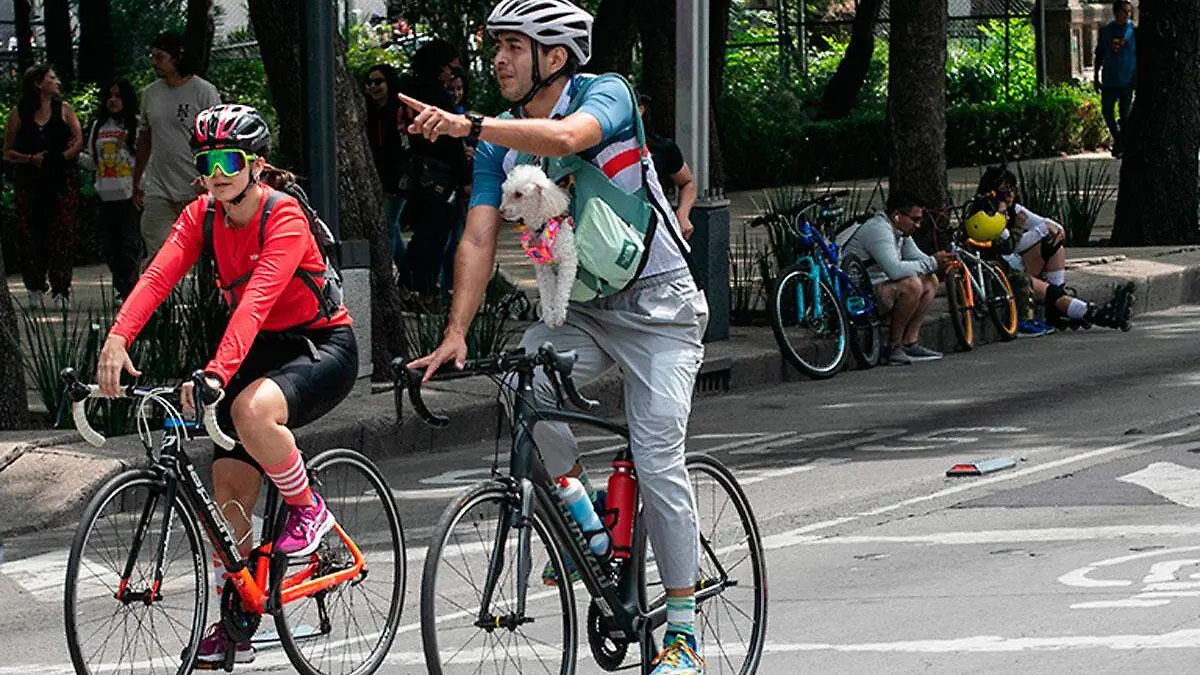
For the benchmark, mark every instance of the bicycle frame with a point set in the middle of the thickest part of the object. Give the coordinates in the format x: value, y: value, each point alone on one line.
x: 254, y: 587
x: 617, y: 601
x: 825, y: 257
x: 972, y: 266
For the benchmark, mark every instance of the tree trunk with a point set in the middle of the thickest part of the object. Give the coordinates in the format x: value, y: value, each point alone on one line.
x: 612, y: 50
x: 1158, y: 196
x: 96, y: 46
x: 841, y: 92
x: 199, y: 34
x: 14, y: 403
x: 276, y: 22
x: 23, y: 18
x: 916, y: 108
x: 656, y: 25
x: 718, y: 34
x: 56, y: 15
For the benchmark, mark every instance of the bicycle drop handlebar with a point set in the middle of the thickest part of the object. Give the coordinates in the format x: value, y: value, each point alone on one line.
x: 206, y: 399
x: 557, y: 366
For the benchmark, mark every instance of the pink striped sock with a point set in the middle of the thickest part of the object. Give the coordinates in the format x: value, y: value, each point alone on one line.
x: 291, y: 478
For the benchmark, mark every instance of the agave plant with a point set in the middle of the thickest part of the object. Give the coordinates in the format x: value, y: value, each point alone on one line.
x: 1087, y: 191
x: 424, y: 326
x: 1040, y: 191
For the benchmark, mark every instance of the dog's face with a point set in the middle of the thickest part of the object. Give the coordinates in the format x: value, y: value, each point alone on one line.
x: 530, y: 197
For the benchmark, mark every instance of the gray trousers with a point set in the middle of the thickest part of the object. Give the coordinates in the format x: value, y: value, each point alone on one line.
x: 652, y: 331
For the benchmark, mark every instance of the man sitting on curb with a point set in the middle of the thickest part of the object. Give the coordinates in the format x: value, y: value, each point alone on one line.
x: 904, y: 277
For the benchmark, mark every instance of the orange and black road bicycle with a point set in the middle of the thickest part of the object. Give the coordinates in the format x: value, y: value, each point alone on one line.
x: 975, y: 286
x: 136, y: 594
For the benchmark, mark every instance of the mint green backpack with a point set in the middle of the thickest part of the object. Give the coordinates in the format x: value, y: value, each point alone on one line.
x: 612, y: 227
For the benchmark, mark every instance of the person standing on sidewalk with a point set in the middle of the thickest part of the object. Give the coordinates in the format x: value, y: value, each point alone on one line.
x: 669, y: 163
x: 164, y: 178
x: 386, y: 119
x: 44, y: 140
x: 651, y: 330
x: 110, y: 150
x: 1116, y: 56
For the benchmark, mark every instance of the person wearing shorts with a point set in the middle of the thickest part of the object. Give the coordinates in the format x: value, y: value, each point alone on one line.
x: 287, y: 356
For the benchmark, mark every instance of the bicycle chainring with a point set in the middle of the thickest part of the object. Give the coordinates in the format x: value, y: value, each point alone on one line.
x: 609, y: 652
x: 240, y: 625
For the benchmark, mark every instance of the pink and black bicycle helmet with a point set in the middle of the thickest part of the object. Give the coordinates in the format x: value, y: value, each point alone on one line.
x: 231, y: 126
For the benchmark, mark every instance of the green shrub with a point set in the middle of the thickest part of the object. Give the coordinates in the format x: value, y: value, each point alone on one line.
x: 782, y: 148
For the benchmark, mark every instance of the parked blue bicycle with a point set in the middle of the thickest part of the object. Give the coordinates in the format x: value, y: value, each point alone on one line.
x: 822, y: 307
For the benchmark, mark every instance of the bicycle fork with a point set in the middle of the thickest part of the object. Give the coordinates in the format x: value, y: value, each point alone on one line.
x: 152, y: 594
x: 519, y: 515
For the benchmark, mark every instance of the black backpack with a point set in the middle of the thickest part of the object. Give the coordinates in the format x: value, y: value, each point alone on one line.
x: 329, y: 295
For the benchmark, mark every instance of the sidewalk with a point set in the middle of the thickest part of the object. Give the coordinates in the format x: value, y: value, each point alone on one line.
x: 47, y: 477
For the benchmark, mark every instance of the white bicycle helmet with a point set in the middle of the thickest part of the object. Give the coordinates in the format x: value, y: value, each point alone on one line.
x: 547, y: 22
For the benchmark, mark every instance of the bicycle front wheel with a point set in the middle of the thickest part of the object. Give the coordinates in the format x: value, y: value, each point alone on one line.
x: 475, y: 546
x: 731, y: 625
x: 811, y: 334
x: 961, y: 316
x: 1002, y: 302
x: 126, y: 623
x: 348, y: 629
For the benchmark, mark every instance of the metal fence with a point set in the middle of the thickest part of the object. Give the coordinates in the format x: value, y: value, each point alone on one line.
x: 800, y: 30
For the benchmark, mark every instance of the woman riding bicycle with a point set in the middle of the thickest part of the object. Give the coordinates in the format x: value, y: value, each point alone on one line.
x: 282, y: 362
x: 1037, y: 250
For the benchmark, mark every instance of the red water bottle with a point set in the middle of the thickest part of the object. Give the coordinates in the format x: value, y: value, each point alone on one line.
x: 620, y: 506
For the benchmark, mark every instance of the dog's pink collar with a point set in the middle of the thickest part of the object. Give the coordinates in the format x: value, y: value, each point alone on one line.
x: 541, y: 251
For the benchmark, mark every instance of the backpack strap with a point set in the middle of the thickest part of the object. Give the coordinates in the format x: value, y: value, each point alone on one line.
x: 210, y: 219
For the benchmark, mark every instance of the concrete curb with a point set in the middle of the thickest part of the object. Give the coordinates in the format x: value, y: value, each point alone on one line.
x: 48, y: 484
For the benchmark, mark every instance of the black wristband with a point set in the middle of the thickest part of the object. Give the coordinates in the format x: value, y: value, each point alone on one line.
x: 476, y: 129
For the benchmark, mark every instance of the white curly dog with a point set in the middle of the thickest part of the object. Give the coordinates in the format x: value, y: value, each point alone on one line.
x: 535, y: 201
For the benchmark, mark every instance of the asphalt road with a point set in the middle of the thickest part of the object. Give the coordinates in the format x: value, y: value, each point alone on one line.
x: 1084, y: 557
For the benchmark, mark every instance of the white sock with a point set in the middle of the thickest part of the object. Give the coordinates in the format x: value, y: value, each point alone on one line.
x: 1057, y: 277
x: 218, y: 573
x: 1077, y: 309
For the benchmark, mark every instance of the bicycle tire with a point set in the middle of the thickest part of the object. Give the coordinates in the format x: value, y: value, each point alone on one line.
x: 866, y: 340
x: 129, y: 508
x: 784, y: 316
x: 1002, y: 302
x: 432, y: 624
x: 961, y: 317
x: 718, y: 658
x: 373, y: 585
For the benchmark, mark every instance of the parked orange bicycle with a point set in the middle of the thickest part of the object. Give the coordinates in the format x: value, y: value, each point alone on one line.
x: 975, y: 286
x: 136, y: 600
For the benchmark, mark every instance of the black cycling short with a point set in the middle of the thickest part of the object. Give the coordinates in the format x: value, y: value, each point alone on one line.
x: 316, y: 369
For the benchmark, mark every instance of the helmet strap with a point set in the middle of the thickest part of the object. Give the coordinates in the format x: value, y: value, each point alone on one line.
x: 538, y: 82
x: 246, y: 190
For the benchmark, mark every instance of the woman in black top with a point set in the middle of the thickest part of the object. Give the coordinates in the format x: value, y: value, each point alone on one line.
x: 439, y: 170
x: 389, y: 147
x: 44, y: 141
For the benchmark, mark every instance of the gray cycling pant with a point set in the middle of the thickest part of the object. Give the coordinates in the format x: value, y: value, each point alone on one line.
x: 652, y: 331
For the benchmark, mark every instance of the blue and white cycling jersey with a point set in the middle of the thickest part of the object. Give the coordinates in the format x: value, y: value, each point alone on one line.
x: 618, y: 155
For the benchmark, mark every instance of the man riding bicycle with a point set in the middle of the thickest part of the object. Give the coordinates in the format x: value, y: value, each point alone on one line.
x: 288, y: 355
x: 651, y: 329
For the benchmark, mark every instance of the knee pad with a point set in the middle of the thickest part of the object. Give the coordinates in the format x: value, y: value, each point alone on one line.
x: 1050, y: 305
x: 1049, y: 246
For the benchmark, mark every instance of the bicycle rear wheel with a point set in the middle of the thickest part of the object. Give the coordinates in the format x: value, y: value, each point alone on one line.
x: 813, y: 341
x: 113, y: 624
x: 961, y: 317
x: 1002, y: 302
x: 731, y: 625
x: 460, y: 635
x: 348, y: 629
x: 866, y: 339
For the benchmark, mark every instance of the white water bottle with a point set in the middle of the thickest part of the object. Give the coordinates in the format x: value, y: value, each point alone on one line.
x: 571, y: 491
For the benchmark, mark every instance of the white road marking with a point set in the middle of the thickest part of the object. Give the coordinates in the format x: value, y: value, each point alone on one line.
x: 1181, y: 639
x: 1180, y: 484
x: 801, y: 535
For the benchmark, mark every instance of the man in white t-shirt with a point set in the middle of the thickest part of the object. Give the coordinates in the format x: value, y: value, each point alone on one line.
x: 164, y: 177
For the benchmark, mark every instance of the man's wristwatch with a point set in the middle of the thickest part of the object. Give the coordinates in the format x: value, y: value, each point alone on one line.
x: 476, y: 129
